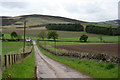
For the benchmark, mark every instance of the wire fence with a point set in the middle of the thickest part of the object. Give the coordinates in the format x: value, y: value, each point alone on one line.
x: 10, y: 59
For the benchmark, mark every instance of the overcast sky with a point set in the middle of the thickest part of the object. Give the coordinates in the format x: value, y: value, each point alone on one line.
x: 86, y: 10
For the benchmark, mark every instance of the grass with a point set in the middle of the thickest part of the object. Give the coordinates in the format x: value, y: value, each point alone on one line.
x: 105, y: 38
x: 66, y: 35
x: 43, y: 20
x: 52, y: 43
x: 11, y: 47
x: 91, y: 68
x: 7, y: 36
x: 23, y: 69
x: 14, y: 47
x: 106, y: 25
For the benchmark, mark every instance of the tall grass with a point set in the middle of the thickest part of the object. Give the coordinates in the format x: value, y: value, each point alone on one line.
x: 23, y: 69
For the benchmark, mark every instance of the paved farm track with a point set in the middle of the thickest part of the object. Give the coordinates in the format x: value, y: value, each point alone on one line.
x: 48, y: 68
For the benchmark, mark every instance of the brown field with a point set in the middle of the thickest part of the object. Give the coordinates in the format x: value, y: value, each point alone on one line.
x: 110, y: 49
x: 35, y: 31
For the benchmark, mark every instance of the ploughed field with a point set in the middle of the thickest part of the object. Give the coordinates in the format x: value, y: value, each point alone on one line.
x: 110, y: 49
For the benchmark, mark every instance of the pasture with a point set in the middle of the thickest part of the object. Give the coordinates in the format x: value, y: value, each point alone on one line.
x: 63, y: 35
x: 13, y: 47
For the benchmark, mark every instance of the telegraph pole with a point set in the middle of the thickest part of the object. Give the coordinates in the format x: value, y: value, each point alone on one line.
x: 24, y: 36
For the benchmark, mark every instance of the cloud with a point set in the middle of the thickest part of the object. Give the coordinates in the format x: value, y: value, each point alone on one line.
x: 87, y: 10
x: 12, y: 5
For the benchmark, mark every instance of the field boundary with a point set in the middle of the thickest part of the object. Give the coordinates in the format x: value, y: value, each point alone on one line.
x: 10, y: 59
x: 99, y: 57
x: 79, y: 41
x: 12, y: 40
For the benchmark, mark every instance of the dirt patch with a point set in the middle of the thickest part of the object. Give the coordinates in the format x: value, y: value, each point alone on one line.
x: 110, y: 49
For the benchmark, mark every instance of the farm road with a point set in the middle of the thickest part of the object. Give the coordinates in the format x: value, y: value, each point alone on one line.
x: 48, y: 68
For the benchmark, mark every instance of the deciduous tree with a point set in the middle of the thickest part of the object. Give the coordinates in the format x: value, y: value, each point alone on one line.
x: 52, y: 35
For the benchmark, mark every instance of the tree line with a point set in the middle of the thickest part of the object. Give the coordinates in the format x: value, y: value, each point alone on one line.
x: 54, y: 35
x: 65, y: 27
x: 102, y: 30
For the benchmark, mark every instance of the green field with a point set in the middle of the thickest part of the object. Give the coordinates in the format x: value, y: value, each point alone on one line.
x: 43, y: 20
x: 90, y: 68
x: 23, y: 69
x: 105, y: 38
x: 91, y: 40
x: 106, y: 25
x: 70, y: 36
x: 14, y: 47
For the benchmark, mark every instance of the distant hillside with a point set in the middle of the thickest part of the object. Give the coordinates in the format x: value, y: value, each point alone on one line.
x: 36, y: 20
x: 111, y: 22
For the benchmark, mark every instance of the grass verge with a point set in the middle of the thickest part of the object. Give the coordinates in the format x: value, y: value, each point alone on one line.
x: 23, y: 69
x: 91, y: 68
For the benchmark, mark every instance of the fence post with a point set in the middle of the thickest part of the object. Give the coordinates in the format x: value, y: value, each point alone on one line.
x: 5, y: 60
x: 19, y: 56
x: 14, y: 58
x: 9, y: 59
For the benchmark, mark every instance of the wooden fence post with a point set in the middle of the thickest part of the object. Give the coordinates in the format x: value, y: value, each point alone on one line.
x: 18, y: 57
x: 9, y: 60
x: 14, y: 58
x: 5, y: 60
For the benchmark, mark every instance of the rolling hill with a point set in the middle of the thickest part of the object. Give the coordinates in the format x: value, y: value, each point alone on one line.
x: 35, y: 19
x: 111, y: 22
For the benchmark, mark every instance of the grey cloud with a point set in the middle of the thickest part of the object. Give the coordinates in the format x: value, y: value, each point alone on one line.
x: 89, y: 8
x: 78, y: 9
x: 119, y: 10
x: 13, y: 4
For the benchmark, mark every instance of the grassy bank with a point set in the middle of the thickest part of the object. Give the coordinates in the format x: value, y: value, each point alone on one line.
x: 23, y: 69
x: 91, y: 68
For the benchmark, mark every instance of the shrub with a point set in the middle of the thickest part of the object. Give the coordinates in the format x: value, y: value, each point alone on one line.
x: 14, y: 35
x: 83, y: 38
x: 110, y: 66
x: 2, y: 36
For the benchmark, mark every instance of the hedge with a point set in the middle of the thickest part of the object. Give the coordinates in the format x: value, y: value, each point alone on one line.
x: 65, y: 27
x: 102, y: 30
